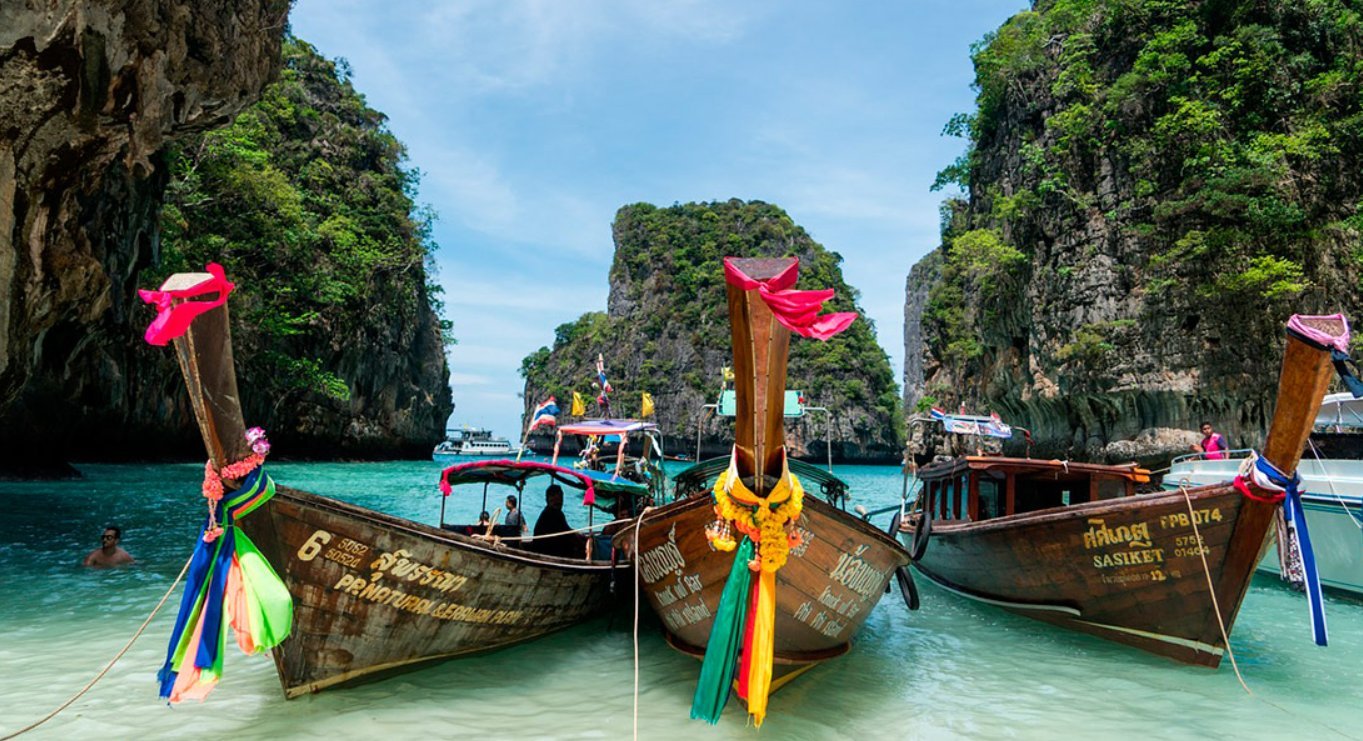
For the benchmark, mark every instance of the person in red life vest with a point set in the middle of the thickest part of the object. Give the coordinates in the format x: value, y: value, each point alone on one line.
x: 1213, y: 445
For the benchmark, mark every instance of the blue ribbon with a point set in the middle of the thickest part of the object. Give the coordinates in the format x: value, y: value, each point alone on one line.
x: 1296, y: 523
x: 1342, y: 362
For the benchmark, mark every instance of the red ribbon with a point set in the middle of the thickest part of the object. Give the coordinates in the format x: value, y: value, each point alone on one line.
x: 172, y: 319
x: 1243, y: 488
x: 797, y: 311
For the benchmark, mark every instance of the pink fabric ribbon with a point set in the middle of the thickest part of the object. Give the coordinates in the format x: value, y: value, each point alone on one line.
x: 797, y: 311
x: 1298, y: 324
x: 172, y: 319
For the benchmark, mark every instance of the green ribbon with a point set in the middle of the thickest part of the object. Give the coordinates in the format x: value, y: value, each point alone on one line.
x: 726, y: 638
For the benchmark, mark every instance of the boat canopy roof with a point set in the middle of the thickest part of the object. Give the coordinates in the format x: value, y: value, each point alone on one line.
x: 605, y: 427
x: 599, y: 489
x: 1341, y: 410
x: 701, y: 477
x: 968, y: 424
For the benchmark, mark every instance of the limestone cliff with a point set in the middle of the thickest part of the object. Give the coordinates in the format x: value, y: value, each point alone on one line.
x: 90, y: 92
x: 666, y: 331
x: 91, y: 95
x: 1152, y: 189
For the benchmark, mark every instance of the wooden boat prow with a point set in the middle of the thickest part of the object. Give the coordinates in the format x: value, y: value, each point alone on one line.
x: 372, y: 592
x: 1074, y: 544
x: 831, y: 580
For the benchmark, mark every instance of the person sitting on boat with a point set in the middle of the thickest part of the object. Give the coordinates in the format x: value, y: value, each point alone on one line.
x: 552, y: 523
x: 514, y: 518
x: 109, y: 553
x: 1213, y: 445
x: 484, y: 519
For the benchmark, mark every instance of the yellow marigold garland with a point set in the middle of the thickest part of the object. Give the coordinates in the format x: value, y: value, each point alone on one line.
x: 764, y: 521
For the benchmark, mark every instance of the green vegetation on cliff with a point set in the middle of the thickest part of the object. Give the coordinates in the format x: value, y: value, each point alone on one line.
x: 666, y: 330
x: 1209, y: 150
x: 304, y: 200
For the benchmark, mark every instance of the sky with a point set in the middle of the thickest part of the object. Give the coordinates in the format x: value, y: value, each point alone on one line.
x: 534, y: 121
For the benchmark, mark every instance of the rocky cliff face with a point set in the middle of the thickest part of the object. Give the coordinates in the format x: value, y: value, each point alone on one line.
x: 1153, y: 188
x: 917, y: 362
x: 666, y: 331
x: 89, y: 94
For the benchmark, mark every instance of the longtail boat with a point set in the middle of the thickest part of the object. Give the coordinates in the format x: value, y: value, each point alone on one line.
x: 1073, y: 544
x: 373, y: 592
x: 751, y: 573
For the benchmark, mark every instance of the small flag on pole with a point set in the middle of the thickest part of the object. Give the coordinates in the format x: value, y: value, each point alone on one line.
x: 579, y: 405
x: 646, y: 406
x: 545, y: 414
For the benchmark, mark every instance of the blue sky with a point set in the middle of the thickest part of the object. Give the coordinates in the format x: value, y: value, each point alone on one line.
x: 534, y: 121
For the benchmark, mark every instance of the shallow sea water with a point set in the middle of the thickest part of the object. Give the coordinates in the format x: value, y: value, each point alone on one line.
x: 952, y: 669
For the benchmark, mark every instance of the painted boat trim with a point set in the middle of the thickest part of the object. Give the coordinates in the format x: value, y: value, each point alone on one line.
x: 1173, y: 640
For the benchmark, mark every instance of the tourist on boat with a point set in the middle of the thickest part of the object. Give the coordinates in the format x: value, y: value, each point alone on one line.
x: 551, y: 521
x: 514, y: 518
x: 484, y: 519
x: 1213, y: 445
x: 109, y: 553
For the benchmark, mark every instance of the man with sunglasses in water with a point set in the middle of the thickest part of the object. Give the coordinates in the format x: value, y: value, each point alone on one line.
x: 109, y: 553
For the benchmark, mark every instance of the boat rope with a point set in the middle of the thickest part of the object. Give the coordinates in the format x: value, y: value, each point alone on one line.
x: 1202, y: 551
x: 496, y: 539
x: 1331, y: 481
x: 1211, y: 590
x: 637, y: 524
x: 112, y: 661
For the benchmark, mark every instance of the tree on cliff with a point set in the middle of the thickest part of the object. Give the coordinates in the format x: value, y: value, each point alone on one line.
x: 666, y: 330
x: 304, y: 199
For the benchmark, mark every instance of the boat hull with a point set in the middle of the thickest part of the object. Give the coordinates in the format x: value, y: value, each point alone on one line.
x: 823, y: 594
x: 1126, y: 569
x: 1333, y: 504
x: 374, y: 593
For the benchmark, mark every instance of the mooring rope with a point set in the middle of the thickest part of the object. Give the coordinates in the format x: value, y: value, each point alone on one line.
x: 1211, y: 589
x: 1331, y: 481
x: 1202, y: 551
x: 111, y: 663
x: 637, y: 524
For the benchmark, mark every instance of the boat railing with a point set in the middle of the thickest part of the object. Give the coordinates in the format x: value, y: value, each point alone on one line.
x: 1237, y: 454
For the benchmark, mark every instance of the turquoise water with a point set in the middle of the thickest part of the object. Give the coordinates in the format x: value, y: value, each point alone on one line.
x: 952, y: 669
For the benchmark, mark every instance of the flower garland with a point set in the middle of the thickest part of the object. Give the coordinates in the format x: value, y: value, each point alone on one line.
x: 213, y: 478
x: 770, y: 527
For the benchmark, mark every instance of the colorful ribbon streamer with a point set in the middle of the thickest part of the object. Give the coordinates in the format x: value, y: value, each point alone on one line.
x: 747, y: 602
x: 229, y: 583
x: 1267, y: 476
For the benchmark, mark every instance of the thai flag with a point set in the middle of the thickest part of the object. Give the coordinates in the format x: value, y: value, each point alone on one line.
x: 545, y: 414
x: 937, y: 413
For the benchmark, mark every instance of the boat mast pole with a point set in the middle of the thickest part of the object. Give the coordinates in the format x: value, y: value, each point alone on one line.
x: 761, y: 346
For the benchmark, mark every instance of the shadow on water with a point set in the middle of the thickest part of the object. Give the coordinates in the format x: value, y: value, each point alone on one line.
x: 954, y: 668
